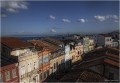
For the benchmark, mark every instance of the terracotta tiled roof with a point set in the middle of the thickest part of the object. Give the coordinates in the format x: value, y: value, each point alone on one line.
x: 39, y: 43
x: 90, y: 76
x: 109, y: 56
x: 52, y: 40
x: 82, y: 76
x: 13, y: 42
x: 44, y: 45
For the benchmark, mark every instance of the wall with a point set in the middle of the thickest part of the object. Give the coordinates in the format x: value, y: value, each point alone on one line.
x: 108, y: 42
x: 10, y: 68
x: 114, y: 70
x: 101, y: 40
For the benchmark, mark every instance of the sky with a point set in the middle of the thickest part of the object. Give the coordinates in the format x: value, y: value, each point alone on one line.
x: 37, y: 17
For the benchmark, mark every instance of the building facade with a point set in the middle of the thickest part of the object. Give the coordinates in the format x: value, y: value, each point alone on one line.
x: 27, y: 58
x: 86, y: 44
x: 91, y: 44
x: 78, y: 51
x: 9, y: 71
x: 104, y: 40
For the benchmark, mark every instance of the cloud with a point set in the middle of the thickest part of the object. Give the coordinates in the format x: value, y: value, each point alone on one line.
x: 81, y: 20
x: 53, y: 30
x: 115, y: 17
x: 66, y: 20
x: 14, y: 6
x: 100, y: 18
x: 52, y: 17
x: 107, y: 17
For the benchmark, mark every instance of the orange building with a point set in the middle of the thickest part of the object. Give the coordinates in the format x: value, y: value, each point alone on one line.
x: 44, y: 62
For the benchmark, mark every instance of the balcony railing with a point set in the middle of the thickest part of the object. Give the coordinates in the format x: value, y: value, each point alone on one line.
x: 28, y: 74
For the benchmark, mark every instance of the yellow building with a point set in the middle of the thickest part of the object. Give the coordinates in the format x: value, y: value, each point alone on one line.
x: 73, y: 55
x: 56, y: 62
x: 28, y: 67
x: 91, y: 44
x: 78, y: 51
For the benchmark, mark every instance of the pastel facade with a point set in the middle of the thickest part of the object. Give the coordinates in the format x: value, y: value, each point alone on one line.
x: 27, y: 58
x: 56, y: 63
x: 28, y: 67
x: 91, y: 44
x: 72, y: 55
x: 78, y: 51
x: 86, y: 44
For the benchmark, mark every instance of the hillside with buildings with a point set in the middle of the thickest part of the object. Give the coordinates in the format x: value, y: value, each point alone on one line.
x: 74, y: 58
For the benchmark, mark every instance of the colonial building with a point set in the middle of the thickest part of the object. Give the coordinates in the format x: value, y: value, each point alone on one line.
x: 27, y: 58
x: 86, y: 44
x: 56, y: 62
x: 9, y: 69
x: 28, y: 66
x: 91, y: 44
x: 78, y: 50
x: 57, y: 57
x: 43, y: 56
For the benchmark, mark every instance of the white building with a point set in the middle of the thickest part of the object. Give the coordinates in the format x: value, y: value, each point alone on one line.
x: 67, y: 55
x: 115, y: 43
x: 104, y: 40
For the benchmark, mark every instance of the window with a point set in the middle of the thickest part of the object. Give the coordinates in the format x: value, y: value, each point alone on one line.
x: 7, y: 75
x: 57, y: 64
x: 45, y: 59
x: 111, y: 76
x: 72, y: 57
x: 14, y: 73
x: 1, y: 78
x: 29, y: 67
x: 116, y: 44
x: 40, y: 76
x: 35, y: 65
x: 40, y: 60
x: 29, y: 80
x: 22, y: 70
x: 45, y: 74
x: 54, y: 66
x: 107, y: 39
x: 62, y: 61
